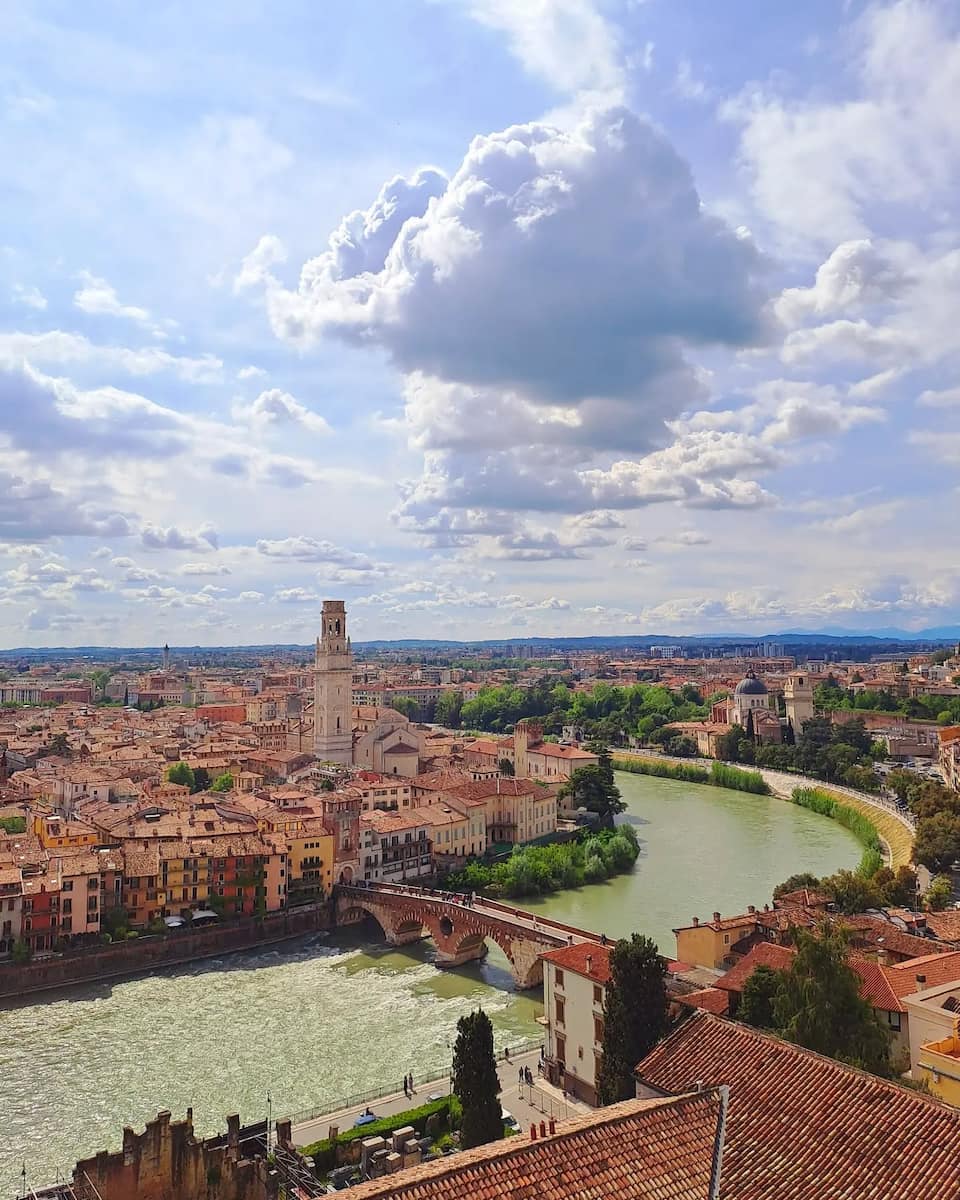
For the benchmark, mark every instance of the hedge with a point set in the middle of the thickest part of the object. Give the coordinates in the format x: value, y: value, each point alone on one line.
x: 860, y: 826
x: 324, y: 1152
x: 720, y: 775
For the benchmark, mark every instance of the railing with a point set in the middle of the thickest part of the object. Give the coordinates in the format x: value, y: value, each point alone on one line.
x: 308, y: 1115
x: 481, y: 905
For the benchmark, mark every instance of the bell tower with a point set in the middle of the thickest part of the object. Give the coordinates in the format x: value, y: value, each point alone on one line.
x: 333, y: 688
x: 798, y: 699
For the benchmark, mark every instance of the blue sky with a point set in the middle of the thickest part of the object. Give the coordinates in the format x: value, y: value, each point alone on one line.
x: 494, y: 317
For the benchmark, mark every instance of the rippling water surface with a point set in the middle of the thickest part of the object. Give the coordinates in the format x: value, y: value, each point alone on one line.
x: 326, y: 1017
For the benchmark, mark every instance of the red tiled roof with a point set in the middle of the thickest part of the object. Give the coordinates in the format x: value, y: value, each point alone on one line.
x: 711, y: 999
x: 574, y: 958
x: 946, y: 925
x: 801, y: 1126
x: 660, y: 1149
x: 765, y: 954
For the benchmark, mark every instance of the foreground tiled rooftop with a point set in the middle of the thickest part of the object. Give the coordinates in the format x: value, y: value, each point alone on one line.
x: 804, y: 1127
x: 638, y: 1150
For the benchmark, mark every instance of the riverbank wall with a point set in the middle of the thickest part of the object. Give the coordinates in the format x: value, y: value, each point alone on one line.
x: 163, y: 950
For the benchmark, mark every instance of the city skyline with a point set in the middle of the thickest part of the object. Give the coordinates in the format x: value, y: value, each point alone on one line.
x: 495, y: 319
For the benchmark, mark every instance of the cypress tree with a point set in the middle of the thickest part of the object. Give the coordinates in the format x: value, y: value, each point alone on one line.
x: 635, y: 1014
x: 475, y: 1081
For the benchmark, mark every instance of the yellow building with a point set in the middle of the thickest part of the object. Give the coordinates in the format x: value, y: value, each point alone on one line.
x: 939, y: 1066
x: 707, y: 944
x: 56, y: 832
x: 310, y: 861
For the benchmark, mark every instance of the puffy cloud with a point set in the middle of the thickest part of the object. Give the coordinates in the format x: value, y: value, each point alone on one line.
x: 817, y: 165
x: 32, y: 509
x: 602, y: 518
x: 527, y: 208
x: 296, y: 595
x: 29, y: 296
x: 568, y: 43
x: 846, y: 341
x: 308, y: 549
x: 56, y: 348
x: 251, y: 372
x: 255, y: 269
x: 276, y: 408
x: 155, y: 537
x: 199, y: 568
x: 100, y: 298
x: 946, y: 398
x: 855, y: 274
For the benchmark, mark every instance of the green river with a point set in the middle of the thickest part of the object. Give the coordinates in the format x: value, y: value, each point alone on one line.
x: 321, y: 1019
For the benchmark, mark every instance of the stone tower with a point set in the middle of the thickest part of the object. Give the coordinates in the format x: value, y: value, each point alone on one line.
x: 798, y: 698
x: 333, y: 688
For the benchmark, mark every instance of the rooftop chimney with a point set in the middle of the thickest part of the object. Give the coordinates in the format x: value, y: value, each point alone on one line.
x: 751, y: 909
x: 696, y: 922
x: 589, y: 963
x: 716, y: 918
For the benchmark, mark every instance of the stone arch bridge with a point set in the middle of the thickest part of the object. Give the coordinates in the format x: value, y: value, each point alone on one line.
x: 460, y: 928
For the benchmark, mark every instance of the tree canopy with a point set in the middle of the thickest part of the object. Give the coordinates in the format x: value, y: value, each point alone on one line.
x: 182, y: 773
x: 756, y: 999
x: 635, y: 1014
x: 818, y: 1004
x: 593, y: 787
x: 222, y: 783
x: 475, y: 1081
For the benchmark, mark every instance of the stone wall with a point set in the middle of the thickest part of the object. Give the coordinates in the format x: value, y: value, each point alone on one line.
x: 146, y: 953
x: 167, y: 1162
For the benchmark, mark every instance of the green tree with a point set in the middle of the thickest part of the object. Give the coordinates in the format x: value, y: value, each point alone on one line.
x: 21, y: 952
x: 59, y: 745
x: 182, y: 773
x: 803, y: 879
x: 728, y: 744
x: 589, y: 787
x: 851, y: 892
x: 201, y: 779
x: 756, y: 999
x: 99, y: 679
x: 939, y: 894
x: 449, y: 709
x: 222, y: 783
x: 635, y: 1014
x: 937, y: 842
x: 407, y: 706
x: 818, y: 1004
x: 13, y: 824
x: 506, y: 767
x: 475, y: 1082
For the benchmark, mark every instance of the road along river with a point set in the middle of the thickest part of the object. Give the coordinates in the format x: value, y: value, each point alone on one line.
x: 319, y: 1020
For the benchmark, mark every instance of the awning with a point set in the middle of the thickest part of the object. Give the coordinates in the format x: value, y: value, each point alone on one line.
x: 173, y: 922
x: 204, y: 914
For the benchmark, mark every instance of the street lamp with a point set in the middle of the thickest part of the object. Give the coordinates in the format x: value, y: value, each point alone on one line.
x: 269, y: 1120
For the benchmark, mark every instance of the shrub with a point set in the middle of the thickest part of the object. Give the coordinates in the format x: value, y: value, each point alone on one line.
x: 723, y: 775
x: 686, y: 772
x: 324, y: 1152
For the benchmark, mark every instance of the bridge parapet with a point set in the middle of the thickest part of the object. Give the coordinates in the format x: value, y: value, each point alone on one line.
x: 460, y: 926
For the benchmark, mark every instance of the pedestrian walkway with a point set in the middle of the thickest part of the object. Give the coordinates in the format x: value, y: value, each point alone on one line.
x: 528, y: 1104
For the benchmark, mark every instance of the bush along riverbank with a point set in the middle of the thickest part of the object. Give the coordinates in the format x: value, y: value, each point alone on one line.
x: 719, y: 775
x: 538, y: 870
x: 860, y: 826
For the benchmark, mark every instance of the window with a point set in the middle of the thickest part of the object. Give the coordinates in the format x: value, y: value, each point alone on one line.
x: 561, y: 1049
x: 893, y: 1019
x: 598, y: 1030
x: 68, y: 885
x: 559, y: 1008
x: 726, y: 939
x: 559, y: 977
x: 597, y: 994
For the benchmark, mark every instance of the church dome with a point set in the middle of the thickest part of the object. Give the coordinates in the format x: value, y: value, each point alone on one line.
x: 750, y: 685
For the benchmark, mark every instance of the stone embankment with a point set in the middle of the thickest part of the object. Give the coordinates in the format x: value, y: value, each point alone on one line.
x: 164, y: 950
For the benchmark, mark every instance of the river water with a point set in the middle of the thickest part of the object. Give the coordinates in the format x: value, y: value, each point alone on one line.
x: 323, y: 1018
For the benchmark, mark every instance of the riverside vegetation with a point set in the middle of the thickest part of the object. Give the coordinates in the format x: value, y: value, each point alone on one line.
x: 537, y: 870
x: 719, y: 775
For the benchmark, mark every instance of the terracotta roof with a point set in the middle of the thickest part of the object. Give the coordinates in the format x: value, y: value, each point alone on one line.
x: 766, y: 954
x: 660, y: 1149
x: 401, y: 748
x: 946, y: 925
x: 574, y: 958
x: 710, y: 999
x: 801, y: 1125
